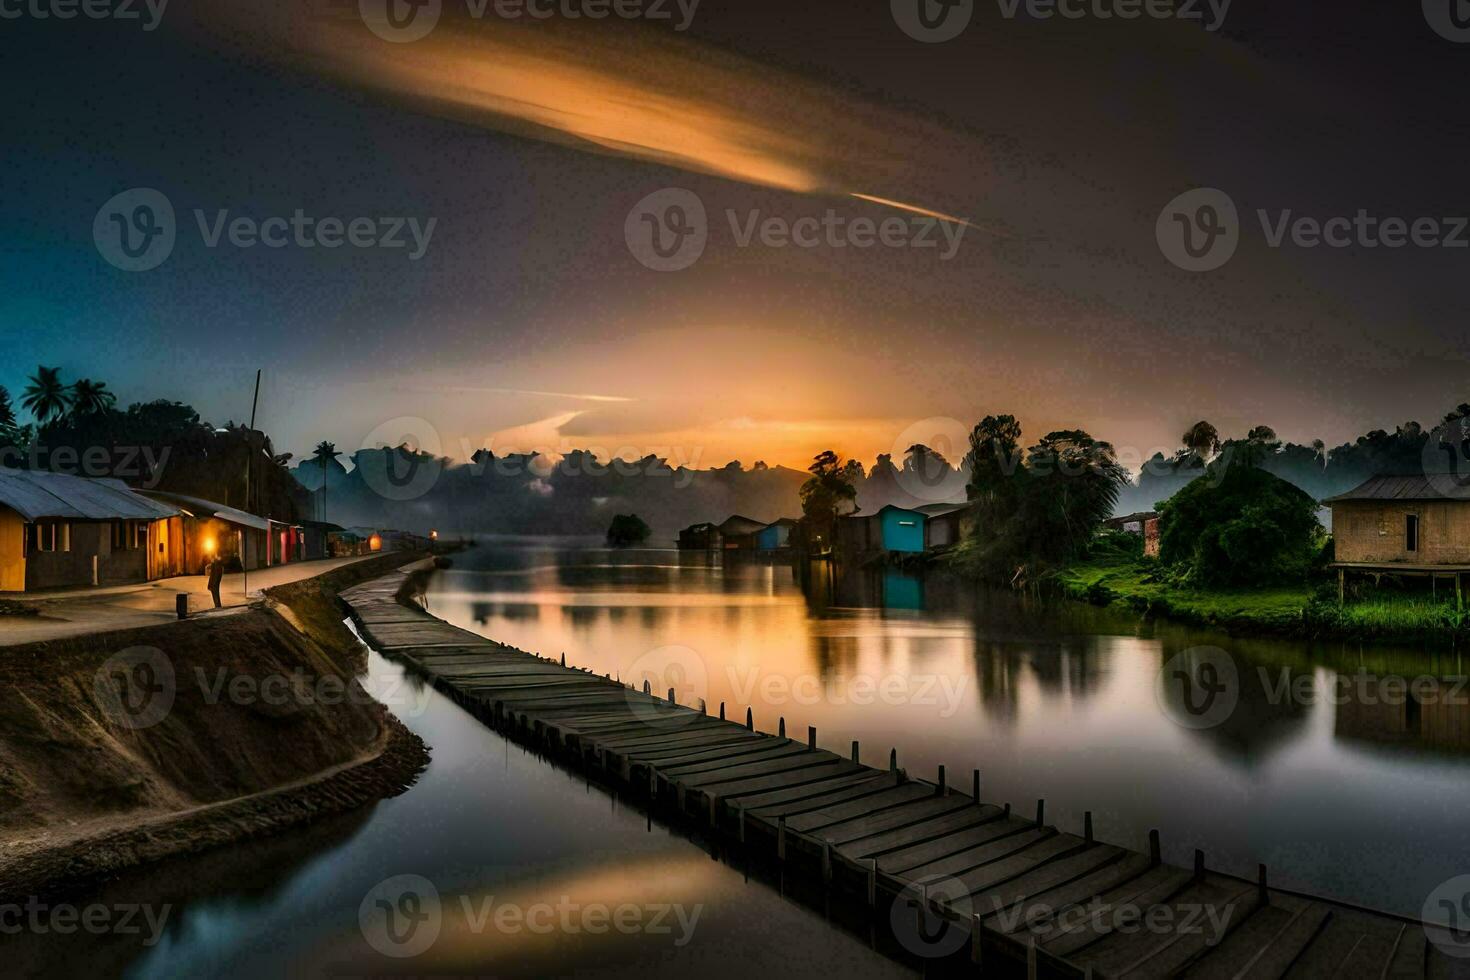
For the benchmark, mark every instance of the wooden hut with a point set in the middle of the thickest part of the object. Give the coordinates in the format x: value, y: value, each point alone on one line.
x: 1403, y: 525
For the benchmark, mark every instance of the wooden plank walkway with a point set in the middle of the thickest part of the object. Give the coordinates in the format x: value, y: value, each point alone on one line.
x: 1063, y: 904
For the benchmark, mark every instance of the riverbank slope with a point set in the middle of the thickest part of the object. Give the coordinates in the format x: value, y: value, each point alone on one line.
x: 122, y: 748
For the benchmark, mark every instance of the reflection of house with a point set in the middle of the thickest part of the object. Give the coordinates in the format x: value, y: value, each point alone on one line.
x: 1406, y: 525
x: 699, y: 537
x: 775, y: 536
x: 946, y: 524
x: 210, y: 528
x: 892, y: 528
x: 739, y: 533
x: 58, y: 530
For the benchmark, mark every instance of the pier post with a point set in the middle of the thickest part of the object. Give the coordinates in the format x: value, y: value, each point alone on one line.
x: 976, y: 957
x: 1031, y: 964
x: 811, y: 738
x: 781, y: 727
x: 1041, y: 813
x: 749, y: 720
x: 893, y: 760
x: 939, y: 790
x: 1199, y: 864
x: 714, y: 820
x: 1087, y: 826
x: 740, y: 809
x: 827, y: 863
x: 1261, y: 889
x: 781, y: 839
x: 1154, y: 848
x: 872, y: 883
x: 671, y: 695
x: 722, y: 711
x: 647, y: 687
x: 855, y: 752
x: 976, y: 788
x: 563, y: 658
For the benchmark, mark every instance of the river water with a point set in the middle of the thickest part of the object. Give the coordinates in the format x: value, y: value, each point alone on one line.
x: 1344, y: 768
x: 1311, y: 762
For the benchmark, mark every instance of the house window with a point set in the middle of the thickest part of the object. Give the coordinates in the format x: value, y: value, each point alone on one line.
x: 1411, y: 532
x: 49, y: 536
x: 140, y: 536
x: 123, y: 535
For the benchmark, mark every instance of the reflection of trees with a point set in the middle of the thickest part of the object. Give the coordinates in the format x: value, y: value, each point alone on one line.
x: 1265, y: 717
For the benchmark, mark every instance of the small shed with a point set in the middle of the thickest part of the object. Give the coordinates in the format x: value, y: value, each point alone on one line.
x: 892, y: 528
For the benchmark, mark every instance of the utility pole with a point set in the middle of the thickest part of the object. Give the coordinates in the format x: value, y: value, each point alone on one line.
x: 249, y: 472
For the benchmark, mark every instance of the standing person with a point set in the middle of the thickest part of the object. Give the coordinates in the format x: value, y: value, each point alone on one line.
x: 216, y: 571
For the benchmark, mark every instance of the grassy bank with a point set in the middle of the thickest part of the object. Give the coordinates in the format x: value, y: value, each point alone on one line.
x: 1308, y: 609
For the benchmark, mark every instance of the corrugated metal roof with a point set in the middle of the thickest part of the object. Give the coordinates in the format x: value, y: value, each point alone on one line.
x: 198, y: 507
x: 940, y: 510
x: 37, y: 494
x: 740, y: 525
x: 1424, y: 486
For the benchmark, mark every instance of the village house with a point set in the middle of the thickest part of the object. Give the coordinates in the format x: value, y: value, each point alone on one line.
x: 946, y: 524
x: 739, y: 533
x: 61, y: 531
x: 1403, y: 525
x: 891, y: 528
x: 775, y: 536
x: 211, y: 529
x: 700, y: 537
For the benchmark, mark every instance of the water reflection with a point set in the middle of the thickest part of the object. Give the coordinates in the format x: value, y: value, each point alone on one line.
x: 1345, y: 796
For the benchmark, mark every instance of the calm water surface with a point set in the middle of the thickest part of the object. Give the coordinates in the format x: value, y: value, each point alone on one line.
x: 489, y: 827
x: 1323, y: 771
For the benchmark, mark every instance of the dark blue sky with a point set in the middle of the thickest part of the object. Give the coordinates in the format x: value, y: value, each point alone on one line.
x: 1061, y: 140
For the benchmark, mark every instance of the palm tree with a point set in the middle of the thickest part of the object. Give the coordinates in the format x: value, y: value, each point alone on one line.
x: 90, y: 397
x: 7, y: 412
x: 325, y: 452
x: 46, y: 397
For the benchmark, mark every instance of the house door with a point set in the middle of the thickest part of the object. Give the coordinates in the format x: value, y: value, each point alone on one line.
x: 1411, y: 533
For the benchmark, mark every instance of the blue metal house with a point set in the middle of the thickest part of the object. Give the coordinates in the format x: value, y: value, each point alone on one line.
x: 901, y: 529
x: 775, y: 536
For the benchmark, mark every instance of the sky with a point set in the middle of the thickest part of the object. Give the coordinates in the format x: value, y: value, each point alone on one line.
x: 1035, y: 155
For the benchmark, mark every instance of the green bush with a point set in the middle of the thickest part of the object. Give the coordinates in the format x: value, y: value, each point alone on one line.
x: 1239, y: 526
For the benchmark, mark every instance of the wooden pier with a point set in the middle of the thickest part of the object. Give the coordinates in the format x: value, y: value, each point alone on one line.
x: 1026, y: 895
